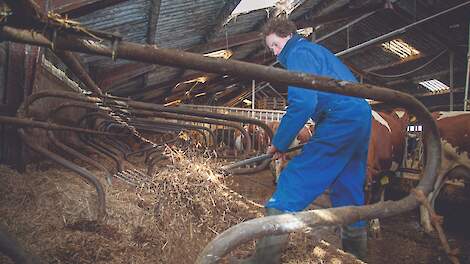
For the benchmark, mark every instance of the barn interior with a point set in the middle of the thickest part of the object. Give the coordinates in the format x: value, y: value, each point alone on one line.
x: 120, y: 118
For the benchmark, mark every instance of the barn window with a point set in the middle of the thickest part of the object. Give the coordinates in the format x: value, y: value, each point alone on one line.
x: 434, y: 86
x: 400, y: 48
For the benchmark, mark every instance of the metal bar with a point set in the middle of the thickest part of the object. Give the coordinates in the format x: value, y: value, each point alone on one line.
x: 465, y: 99
x: 451, y: 80
x: 398, y: 31
x: 21, y: 122
x: 336, y: 31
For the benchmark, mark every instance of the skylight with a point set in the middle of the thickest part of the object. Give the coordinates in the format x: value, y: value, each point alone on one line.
x: 435, y: 86
x: 246, y: 6
x: 400, y: 48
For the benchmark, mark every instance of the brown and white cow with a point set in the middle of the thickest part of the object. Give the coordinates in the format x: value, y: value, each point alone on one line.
x: 454, y: 128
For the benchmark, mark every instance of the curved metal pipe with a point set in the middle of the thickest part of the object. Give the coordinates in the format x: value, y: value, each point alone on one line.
x: 144, y: 106
x: 78, y: 155
x: 98, y: 147
x: 194, y: 127
x: 85, y: 174
x: 199, y: 120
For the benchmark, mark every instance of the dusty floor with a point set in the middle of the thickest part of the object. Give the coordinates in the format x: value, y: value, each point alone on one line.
x: 43, y: 208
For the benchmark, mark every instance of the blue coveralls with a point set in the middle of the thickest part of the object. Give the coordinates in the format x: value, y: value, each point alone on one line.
x: 336, y: 156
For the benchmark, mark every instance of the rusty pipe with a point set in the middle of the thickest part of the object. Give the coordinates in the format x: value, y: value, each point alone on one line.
x: 22, y: 122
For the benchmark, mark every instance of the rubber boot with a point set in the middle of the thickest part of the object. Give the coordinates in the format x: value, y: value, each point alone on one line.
x: 354, y: 241
x: 269, y: 248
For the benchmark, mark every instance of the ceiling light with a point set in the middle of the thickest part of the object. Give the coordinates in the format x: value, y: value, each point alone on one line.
x: 400, y: 48
x: 434, y: 86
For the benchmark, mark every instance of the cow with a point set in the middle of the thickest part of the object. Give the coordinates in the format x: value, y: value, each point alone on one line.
x: 454, y: 128
x: 302, y: 137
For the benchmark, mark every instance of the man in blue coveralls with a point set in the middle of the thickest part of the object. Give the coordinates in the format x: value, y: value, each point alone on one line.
x: 335, y: 157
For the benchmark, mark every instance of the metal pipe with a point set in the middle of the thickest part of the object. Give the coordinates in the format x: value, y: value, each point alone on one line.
x: 141, y: 105
x: 85, y: 174
x: 465, y: 100
x: 21, y: 122
x: 451, y: 80
x: 78, y: 155
x: 336, y: 31
x: 198, y: 119
x: 189, y: 126
x: 398, y: 31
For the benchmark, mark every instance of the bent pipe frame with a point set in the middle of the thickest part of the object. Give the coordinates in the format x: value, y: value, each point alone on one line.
x: 156, y: 127
x: 85, y: 174
x: 143, y: 106
x: 169, y: 57
x: 184, y: 117
x: 69, y: 150
x: 210, y: 134
x: 91, y: 142
x: 96, y: 147
x: 116, y: 144
x: 14, y: 250
x: 23, y: 122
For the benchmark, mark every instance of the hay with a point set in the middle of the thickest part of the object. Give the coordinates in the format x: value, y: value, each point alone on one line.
x: 169, y: 219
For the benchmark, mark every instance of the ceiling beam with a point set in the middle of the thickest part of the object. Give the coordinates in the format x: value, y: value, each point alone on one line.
x: 74, y: 9
x: 110, y: 77
x: 153, y: 20
x: 222, y: 17
x: 230, y: 42
x: 416, y: 79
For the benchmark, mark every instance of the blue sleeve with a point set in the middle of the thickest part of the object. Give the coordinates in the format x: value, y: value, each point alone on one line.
x: 301, y: 102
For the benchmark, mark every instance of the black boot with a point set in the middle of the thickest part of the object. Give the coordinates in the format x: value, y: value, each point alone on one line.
x: 355, y: 241
x: 269, y: 248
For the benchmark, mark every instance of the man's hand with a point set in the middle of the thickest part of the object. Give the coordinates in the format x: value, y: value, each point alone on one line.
x: 272, y: 150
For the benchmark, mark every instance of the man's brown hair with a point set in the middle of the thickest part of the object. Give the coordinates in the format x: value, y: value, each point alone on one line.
x: 280, y: 26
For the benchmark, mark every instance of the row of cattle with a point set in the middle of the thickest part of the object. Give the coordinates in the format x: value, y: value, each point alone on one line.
x: 387, y: 149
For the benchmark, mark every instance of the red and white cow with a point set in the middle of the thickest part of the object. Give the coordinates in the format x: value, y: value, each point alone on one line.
x: 454, y: 128
x: 302, y: 137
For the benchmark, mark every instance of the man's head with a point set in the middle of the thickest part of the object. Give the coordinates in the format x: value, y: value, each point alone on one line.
x: 277, y: 32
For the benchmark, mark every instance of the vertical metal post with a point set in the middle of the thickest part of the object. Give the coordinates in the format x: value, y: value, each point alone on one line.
x: 451, y: 80
x: 253, y: 86
x: 465, y: 100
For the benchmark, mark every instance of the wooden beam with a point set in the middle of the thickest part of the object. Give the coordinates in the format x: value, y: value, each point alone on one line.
x: 221, y: 19
x: 74, y: 9
x: 153, y: 20
x: 108, y: 78
x: 230, y: 42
